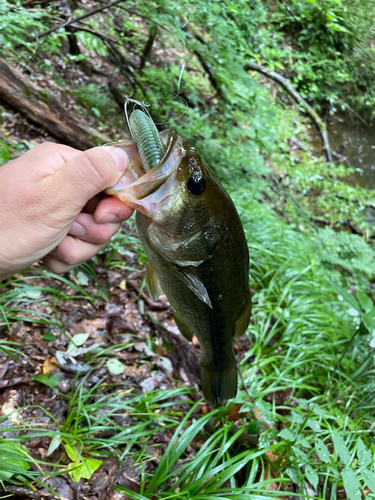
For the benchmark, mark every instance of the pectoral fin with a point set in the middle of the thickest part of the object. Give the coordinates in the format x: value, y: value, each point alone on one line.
x: 193, y: 281
x: 243, y: 321
x: 185, y: 330
x: 152, y: 282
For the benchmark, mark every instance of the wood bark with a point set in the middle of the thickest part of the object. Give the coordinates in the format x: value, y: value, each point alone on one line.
x: 44, y: 109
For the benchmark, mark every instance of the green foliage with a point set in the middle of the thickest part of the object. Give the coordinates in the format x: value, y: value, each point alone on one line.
x: 333, y: 53
x: 95, y: 100
x: 17, y: 26
x: 343, y: 251
x: 14, y: 459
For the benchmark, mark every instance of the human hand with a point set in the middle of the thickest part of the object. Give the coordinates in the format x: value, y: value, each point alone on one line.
x: 53, y: 208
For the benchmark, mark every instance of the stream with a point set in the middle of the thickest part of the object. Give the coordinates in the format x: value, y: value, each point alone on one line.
x: 355, y: 141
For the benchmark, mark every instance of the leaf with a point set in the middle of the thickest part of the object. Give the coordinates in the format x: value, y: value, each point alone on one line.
x: 266, y: 412
x: 287, y: 434
x: 369, y: 478
x: 247, y: 407
x: 341, y: 448
x: 364, y: 455
x: 48, y: 379
x: 294, y: 475
x: 75, y: 471
x: 84, y: 469
x: 77, y: 341
x: 301, y: 456
x: 12, y: 459
x: 304, y: 404
x: 311, y: 476
x: 82, y: 278
x: 365, y: 301
x: 115, y: 367
x: 90, y: 466
x: 71, y: 452
x: 50, y: 364
x: 314, y: 425
x: 322, y: 451
x: 351, y: 484
x: 54, y: 444
x: 49, y: 336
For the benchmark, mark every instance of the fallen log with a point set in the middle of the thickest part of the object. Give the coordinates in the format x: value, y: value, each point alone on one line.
x: 41, y: 107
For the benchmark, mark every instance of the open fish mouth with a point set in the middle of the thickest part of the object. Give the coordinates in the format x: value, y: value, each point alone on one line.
x: 154, y: 188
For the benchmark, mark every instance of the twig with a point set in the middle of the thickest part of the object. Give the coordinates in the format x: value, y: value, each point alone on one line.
x: 293, y: 92
x: 79, y: 18
x: 20, y: 491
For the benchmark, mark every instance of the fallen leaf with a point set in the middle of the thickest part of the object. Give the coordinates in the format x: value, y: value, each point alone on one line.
x: 271, y: 456
x: 115, y: 367
x: 50, y: 364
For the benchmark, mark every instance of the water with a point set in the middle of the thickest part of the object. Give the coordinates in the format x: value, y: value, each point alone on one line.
x: 355, y: 141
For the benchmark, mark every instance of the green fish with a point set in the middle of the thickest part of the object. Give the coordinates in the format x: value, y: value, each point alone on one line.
x: 197, y: 254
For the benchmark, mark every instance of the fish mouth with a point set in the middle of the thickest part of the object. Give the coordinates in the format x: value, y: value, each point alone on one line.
x: 155, y: 187
x: 160, y: 173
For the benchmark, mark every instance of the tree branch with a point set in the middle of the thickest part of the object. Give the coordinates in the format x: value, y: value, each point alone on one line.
x: 79, y: 18
x: 293, y: 92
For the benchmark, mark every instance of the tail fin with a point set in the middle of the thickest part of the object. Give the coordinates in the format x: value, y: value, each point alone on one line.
x: 218, y: 386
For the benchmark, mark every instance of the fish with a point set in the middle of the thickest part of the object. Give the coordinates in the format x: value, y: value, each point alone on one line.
x: 197, y: 254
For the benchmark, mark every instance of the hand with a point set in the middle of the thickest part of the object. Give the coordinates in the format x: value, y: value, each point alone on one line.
x: 52, y: 206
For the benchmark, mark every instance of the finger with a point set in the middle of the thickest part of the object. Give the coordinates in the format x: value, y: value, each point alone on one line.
x: 84, y: 176
x: 111, y: 210
x: 85, y: 228
x: 71, y: 252
x: 91, y: 205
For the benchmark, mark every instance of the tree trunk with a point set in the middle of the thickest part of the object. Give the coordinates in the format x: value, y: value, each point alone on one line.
x: 42, y: 108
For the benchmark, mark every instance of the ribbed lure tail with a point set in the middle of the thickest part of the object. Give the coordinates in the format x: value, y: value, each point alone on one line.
x: 147, y: 139
x: 219, y: 386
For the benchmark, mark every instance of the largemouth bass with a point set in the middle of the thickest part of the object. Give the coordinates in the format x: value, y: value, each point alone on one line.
x: 197, y: 254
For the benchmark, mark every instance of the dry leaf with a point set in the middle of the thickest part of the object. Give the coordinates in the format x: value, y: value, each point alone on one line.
x: 50, y: 364
x: 271, y: 456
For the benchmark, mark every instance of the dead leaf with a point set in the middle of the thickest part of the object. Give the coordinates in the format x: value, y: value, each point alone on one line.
x: 50, y: 364
x: 271, y: 456
x: 234, y: 413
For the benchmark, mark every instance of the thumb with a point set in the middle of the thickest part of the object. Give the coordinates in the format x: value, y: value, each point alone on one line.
x: 89, y: 173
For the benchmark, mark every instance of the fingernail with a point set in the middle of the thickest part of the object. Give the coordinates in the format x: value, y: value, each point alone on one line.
x: 107, y: 217
x: 76, y: 229
x: 121, y: 158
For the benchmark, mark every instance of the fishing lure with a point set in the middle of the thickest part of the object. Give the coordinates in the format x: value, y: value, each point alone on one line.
x: 145, y: 135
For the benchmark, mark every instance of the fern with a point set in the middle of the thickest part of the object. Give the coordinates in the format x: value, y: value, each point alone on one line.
x: 346, y: 251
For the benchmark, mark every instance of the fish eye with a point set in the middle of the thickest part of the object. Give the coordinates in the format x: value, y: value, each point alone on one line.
x: 196, y: 185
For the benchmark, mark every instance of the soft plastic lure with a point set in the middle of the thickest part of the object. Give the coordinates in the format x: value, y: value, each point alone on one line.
x: 146, y: 138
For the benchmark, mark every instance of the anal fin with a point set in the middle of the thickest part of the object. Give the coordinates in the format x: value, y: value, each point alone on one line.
x: 186, y: 331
